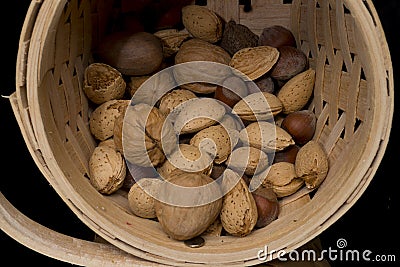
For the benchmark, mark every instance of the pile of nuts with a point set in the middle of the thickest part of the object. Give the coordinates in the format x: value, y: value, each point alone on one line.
x: 260, y: 152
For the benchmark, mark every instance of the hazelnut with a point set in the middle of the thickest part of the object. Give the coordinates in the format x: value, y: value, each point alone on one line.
x: 267, y: 206
x: 287, y: 155
x: 263, y: 84
x: 277, y: 36
x: 291, y: 62
x: 217, y: 171
x: 233, y: 89
x: 300, y: 125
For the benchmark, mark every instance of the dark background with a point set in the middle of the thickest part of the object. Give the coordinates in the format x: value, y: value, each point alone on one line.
x: 372, y: 223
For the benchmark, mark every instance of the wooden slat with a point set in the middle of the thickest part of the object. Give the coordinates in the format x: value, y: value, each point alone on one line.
x: 227, y: 9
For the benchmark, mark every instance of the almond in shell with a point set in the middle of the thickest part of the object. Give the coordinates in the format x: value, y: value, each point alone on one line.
x: 216, y: 141
x: 247, y: 159
x: 173, y: 99
x: 141, y: 197
x: 266, y: 136
x: 202, y: 23
x: 239, y: 210
x: 197, y: 114
x: 282, y: 178
x: 209, y: 75
x: 312, y: 164
x: 107, y: 169
x: 258, y: 106
x: 102, y: 119
x: 187, y: 158
x: 171, y: 39
x: 296, y: 93
x: 103, y: 83
x: 254, y: 62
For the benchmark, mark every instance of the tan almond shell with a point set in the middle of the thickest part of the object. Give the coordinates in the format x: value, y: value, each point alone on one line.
x: 197, y: 114
x: 141, y: 197
x: 258, y: 106
x: 108, y: 142
x: 255, y: 61
x: 117, y: 133
x: 171, y: 40
x: 281, y: 178
x: 187, y: 158
x: 289, y: 189
x: 239, y: 210
x: 249, y: 159
x: 296, y: 93
x: 231, y: 122
x: 107, y: 169
x: 202, y: 23
x: 101, y: 121
x: 280, y: 174
x: 173, y: 99
x: 102, y: 83
x: 312, y: 164
x: 219, y: 136
x: 199, y: 50
x: 266, y: 136
x: 182, y: 222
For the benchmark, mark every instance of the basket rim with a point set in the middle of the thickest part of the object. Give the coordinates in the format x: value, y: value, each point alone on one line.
x: 31, y: 54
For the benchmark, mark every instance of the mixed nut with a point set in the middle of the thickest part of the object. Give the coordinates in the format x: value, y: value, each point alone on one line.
x: 253, y: 126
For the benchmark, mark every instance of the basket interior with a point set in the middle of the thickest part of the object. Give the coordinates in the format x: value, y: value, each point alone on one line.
x: 344, y: 101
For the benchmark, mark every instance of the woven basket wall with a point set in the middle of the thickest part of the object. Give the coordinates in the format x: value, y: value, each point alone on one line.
x: 353, y: 100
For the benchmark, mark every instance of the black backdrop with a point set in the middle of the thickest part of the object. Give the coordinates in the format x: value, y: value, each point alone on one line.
x: 370, y: 224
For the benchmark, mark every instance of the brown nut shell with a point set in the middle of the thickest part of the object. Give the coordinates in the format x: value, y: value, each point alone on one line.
x: 200, y: 50
x: 171, y: 39
x: 237, y: 36
x: 258, y: 106
x: 267, y: 206
x: 202, y: 23
x: 214, y: 140
x: 173, y: 99
x: 188, y: 158
x: 282, y: 178
x: 239, y: 210
x: 182, y: 222
x: 247, y: 159
x: 133, y: 54
x: 291, y: 62
x: 312, y: 164
x: 288, y: 154
x: 141, y: 197
x: 277, y: 36
x: 107, y: 169
x: 266, y: 136
x: 103, y: 83
x: 102, y: 119
x: 255, y: 61
x: 296, y: 93
x: 148, y: 136
x: 300, y: 125
x: 232, y: 90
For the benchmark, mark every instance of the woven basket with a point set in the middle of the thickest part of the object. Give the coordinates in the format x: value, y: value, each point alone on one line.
x: 353, y: 100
